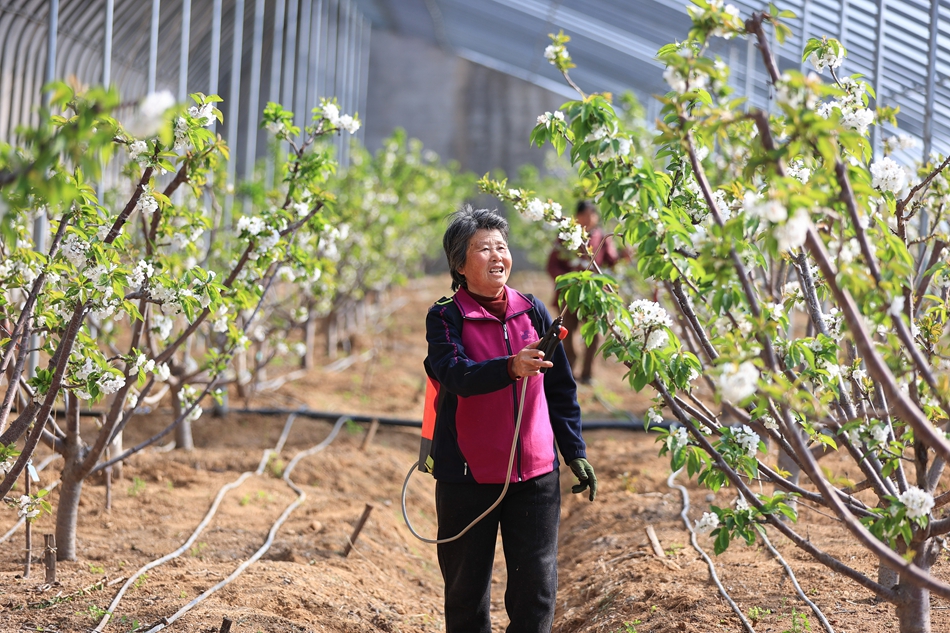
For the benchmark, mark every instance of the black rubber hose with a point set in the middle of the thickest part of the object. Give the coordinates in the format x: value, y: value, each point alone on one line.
x: 587, y: 425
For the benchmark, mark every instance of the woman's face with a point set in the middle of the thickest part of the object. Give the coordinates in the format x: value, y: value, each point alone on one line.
x: 487, y: 263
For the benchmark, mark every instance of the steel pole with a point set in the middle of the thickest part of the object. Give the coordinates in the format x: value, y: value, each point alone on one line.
x: 931, y: 79
x: 153, y: 45
x: 878, y: 70
x: 234, y: 108
x: 255, y: 95
x: 185, y: 49
x: 107, y: 44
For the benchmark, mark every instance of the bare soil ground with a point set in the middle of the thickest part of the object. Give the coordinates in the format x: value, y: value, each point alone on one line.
x: 610, y: 580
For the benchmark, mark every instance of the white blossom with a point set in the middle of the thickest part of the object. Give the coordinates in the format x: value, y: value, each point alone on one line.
x: 769, y: 422
x: 204, y: 113
x: 772, y: 210
x: 162, y: 372
x: 858, y: 119
x: 679, y: 83
x: 300, y: 349
x: 28, y: 507
x: 253, y: 225
x: 143, y: 270
x: 796, y: 169
x: 737, y: 382
x: 75, y: 249
x: 332, y: 114
x: 534, y: 210
x: 652, y: 417
x: 707, y: 523
x: 887, y: 175
x: 918, y: 502
x: 677, y: 439
x: 151, y: 114
x: 747, y: 439
x: 554, y: 52
x: 138, y: 151
x: 110, y: 383
x: 650, y: 321
x: 146, y: 203
x: 349, y: 123
x: 828, y: 60
x: 573, y: 237
x: 792, y: 234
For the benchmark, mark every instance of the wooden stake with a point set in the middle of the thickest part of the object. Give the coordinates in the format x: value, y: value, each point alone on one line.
x: 225, y: 626
x: 108, y: 477
x: 651, y: 533
x: 359, y: 528
x: 50, y: 559
x: 370, y: 434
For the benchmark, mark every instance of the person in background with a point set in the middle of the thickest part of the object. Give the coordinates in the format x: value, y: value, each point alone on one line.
x: 482, y: 350
x: 561, y: 262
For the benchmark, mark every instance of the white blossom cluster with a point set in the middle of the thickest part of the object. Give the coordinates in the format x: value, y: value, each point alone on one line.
x: 677, y: 440
x: 652, y: 417
x: 796, y: 169
x: 28, y: 507
x: 138, y: 151
x: 331, y: 112
x: 766, y: 208
x: 142, y: 272
x: 147, y: 203
x: 150, y: 115
x: 854, y: 114
x: 6, y: 465
x: 75, y: 249
x: 918, y: 502
x: 899, y: 142
x: 546, y: 118
x: 708, y: 523
x: 769, y: 422
x: 205, y: 116
x: 888, y: 175
x: 327, y: 246
x: 143, y: 363
x: 831, y: 57
x: 738, y: 381
x: 747, y: 439
x: 681, y: 84
x: 649, y: 321
x: 793, y: 232
x: 555, y: 52
x: 188, y: 397
x: 601, y: 133
x: 787, y: 91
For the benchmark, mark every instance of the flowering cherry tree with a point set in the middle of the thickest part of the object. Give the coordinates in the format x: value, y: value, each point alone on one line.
x: 141, y: 268
x: 804, y: 301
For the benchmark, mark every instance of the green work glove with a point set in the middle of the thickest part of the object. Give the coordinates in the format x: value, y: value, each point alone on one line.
x: 585, y: 477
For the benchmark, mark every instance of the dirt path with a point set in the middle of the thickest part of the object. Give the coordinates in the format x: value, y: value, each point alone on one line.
x: 610, y: 581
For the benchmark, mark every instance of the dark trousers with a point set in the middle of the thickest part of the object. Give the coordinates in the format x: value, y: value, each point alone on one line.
x: 529, y: 517
x: 572, y: 324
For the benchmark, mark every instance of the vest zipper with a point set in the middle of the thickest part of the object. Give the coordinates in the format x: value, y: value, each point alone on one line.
x: 514, y: 387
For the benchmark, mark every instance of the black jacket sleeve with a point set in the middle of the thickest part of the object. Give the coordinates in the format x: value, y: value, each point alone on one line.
x: 449, y: 364
x: 560, y: 390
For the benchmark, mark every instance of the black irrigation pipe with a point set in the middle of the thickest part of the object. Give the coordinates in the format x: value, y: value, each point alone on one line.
x: 588, y: 425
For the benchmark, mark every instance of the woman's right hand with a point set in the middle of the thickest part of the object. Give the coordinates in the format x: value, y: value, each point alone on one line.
x: 529, y: 361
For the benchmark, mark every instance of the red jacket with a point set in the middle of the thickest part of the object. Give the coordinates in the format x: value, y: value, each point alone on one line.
x: 476, y: 414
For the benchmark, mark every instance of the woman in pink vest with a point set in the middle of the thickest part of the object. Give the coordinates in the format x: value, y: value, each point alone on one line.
x: 482, y: 347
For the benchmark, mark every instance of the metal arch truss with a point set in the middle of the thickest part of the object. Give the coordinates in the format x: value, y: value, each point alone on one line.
x: 293, y: 51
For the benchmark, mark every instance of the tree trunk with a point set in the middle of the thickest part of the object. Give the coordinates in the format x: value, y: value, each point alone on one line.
x: 183, y: 438
x: 67, y: 510
x: 309, y: 340
x: 913, y: 607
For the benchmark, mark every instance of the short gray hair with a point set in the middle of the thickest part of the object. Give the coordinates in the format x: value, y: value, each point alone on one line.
x: 463, y: 225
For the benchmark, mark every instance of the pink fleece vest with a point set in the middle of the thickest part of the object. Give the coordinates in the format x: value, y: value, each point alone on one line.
x: 486, y: 423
